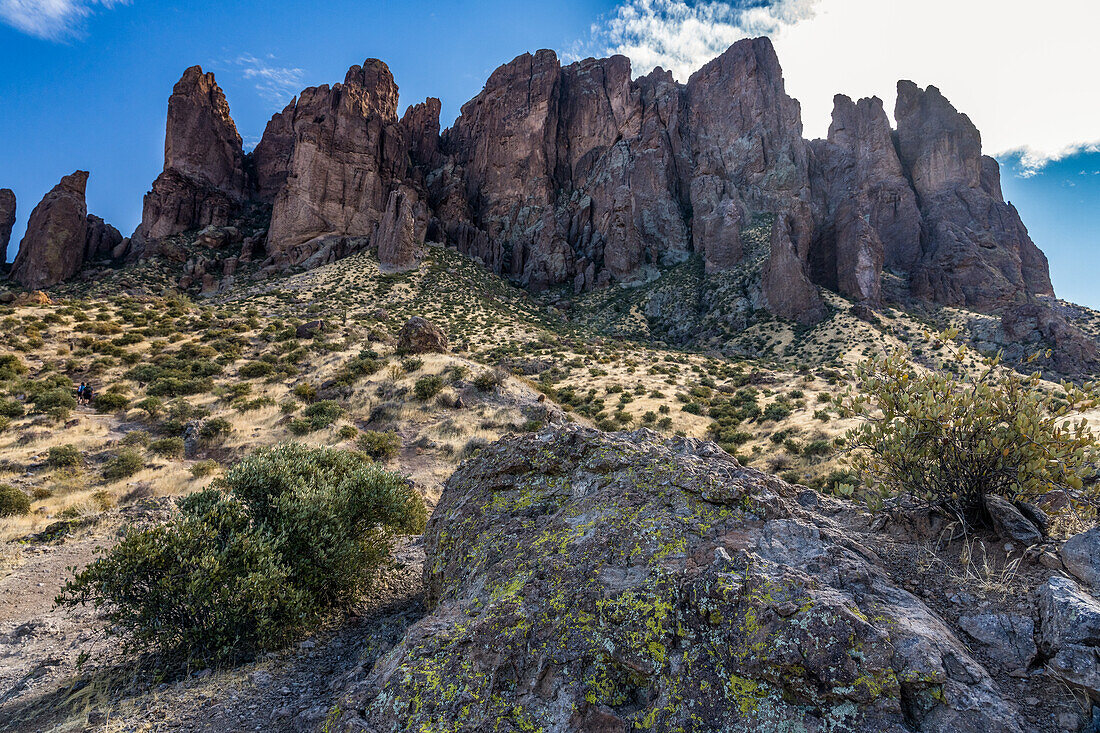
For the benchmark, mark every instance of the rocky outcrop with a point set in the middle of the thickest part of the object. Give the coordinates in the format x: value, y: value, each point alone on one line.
x: 581, y: 176
x: 204, y: 180
x: 349, y: 150
x: 271, y: 156
x: 57, y: 232
x: 582, y: 581
x: 748, y: 155
x: 976, y: 251
x: 101, y: 239
x: 400, y: 234
x: 869, y: 215
x: 7, y: 221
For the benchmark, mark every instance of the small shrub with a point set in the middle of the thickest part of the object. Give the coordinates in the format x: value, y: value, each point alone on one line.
x: 125, y: 464
x: 202, y: 469
x: 305, y: 391
x: 65, y: 456
x: 152, y: 406
x: 10, y: 408
x: 109, y: 402
x: 953, y: 440
x: 168, y: 447
x: 13, y: 502
x: 288, y: 534
x: 490, y: 381
x: 347, y: 432
x: 428, y: 386
x: 379, y: 445
x: 214, y: 429
x: 136, y: 439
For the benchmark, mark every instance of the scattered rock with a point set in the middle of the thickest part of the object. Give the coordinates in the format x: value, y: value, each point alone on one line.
x: 1070, y: 632
x: 311, y: 329
x: 1010, y: 523
x: 1008, y: 639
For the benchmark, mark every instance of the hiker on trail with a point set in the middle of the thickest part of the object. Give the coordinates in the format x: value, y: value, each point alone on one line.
x: 80, y: 393
x: 88, y: 395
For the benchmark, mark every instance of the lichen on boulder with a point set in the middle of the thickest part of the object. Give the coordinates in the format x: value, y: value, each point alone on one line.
x: 585, y: 581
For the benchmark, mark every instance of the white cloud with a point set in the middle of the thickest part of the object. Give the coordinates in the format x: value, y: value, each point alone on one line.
x: 680, y: 35
x: 53, y: 20
x: 1025, y: 75
x: 276, y: 84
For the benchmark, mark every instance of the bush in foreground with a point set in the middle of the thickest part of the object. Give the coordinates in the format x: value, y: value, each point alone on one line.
x: 13, y: 502
x: 285, y: 536
x: 954, y: 440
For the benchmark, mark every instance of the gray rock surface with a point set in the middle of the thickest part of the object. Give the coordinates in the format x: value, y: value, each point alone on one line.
x: 583, y: 581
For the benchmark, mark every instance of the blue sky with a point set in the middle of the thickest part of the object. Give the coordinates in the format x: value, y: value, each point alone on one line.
x: 86, y: 82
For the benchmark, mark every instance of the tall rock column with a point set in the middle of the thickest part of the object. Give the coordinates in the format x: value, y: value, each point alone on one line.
x: 748, y: 155
x: 204, y: 180
x: 349, y: 151
x: 977, y: 252
x: 53, y: 248
x: 869, y: 214
x: 7, y: 221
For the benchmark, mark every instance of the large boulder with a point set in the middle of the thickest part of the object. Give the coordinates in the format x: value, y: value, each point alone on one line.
x: 1081, y: 557
x: 421, y: 336
x: 7, y: 221
x: 204, y: 180
x: 584, y: 581
x: 101, y: 239
x: 53, y: 248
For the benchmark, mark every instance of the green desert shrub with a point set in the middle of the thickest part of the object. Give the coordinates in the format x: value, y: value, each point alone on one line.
x: 379, y: 445
x: 317, y: 416
x: 287, y: 535
x: 10, y: 408
x: 125, y: 464
x: 428, y: 386
x: 202, y: 469
x: 13, y: 502
x: 109, y: 402
x: 953, y: 440
x: 64, y: 456
x: 168, y: 447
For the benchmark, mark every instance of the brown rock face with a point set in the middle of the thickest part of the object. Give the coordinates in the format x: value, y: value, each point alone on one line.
x: 101, y: 239
x: 7, y: 221
x: 348, y: 151
x: 271, y: 157
x: 786, y: 290
x: 869, y: 210
x: 204, y: 179
x: 976, y: 251
x: 400, y: 235
x: 747, y: 150
x: 53, y: 248
x: 421, y: 336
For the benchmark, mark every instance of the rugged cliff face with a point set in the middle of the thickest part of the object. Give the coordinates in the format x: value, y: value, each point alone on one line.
x: 580, y: 175
x: 53, y: 248
x: 976, y: 251
x: 204, y: 180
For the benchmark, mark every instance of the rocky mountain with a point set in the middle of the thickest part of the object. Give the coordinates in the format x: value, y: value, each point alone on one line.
x: 580, y: 176
x: 57, y: 233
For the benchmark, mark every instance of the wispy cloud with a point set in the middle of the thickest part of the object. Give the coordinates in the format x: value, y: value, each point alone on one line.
x: 1029, y: 162
x: 680, y: 35
x: 276, y: 84
x: 52, y: 20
